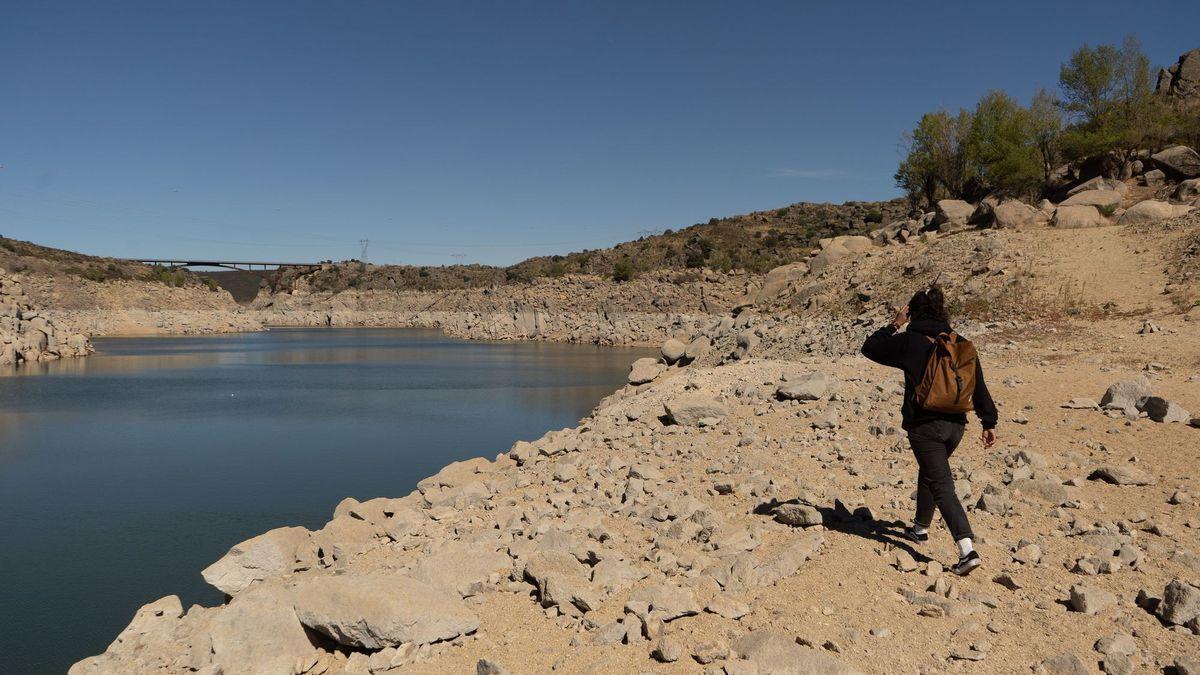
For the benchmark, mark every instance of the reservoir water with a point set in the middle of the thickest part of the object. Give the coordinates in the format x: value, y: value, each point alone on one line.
x: 125, y: 473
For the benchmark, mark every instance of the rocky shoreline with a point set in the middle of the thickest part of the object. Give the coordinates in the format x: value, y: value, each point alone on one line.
x: 738, y: 513
x: 29, y: 335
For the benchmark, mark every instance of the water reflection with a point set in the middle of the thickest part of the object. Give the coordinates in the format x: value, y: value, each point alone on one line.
x: 124, y: 473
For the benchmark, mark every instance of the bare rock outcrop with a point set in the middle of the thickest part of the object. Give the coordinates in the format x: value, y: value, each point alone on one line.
x: 27, y: 335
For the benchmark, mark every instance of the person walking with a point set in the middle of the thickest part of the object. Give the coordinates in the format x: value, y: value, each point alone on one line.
x: 937, y: 394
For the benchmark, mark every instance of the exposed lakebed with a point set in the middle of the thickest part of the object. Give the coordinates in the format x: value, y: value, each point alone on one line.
x: 124, y: 474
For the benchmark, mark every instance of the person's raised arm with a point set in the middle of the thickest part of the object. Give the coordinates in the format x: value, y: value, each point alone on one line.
x: 885, y: 346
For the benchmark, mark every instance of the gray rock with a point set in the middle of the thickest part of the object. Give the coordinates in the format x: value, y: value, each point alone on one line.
x: 1179, y: 160
x: 778, y: 280
x: 645, y: 370
x: 1105, y: 201
x: 775, y: 653
x: 488, y: 667
x: 673, y: 350
x: 377, y: 610
x: 1014, y: 214
x: 258, y: 632
x: 562, y: 581
x: 668, y: 650
x: 1121, y: 474
x: 1078, y: 216
x: 1151, y: 211
x: 666, y: 601
x: 952, y: 213
x: 688, y: 410
x: 1063, y: 664
x: 1047, y: 490
x: 1180, y: 603
x: 152, y: 623
x: 1160, y: 409
x: 1119, y: 643
x: 458, y: 567
x: 1187, y: 665
x: 1124, y: 395
x: 804, y: 387
x: 1188, y: 190
x: 281, y: 551
x: 1091, y: 600
x: 798, y: 515
x: 727, y: 607
x: 698, y: 348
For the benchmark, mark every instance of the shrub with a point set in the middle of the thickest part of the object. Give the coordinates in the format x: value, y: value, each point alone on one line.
x: 622, y: 270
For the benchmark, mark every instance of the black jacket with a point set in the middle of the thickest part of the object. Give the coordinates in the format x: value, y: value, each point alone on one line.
x: 909, y: 351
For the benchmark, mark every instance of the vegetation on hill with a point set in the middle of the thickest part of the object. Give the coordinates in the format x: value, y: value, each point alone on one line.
x: 1105, y: 114
x: 18, y: 256
x: 754, y: 242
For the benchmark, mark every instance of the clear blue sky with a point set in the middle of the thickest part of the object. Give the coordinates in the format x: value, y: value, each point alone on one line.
x: 290, y: 130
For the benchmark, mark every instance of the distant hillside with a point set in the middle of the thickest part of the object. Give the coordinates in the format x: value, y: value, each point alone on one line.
x: 755, y: 241
x: 23, y: 257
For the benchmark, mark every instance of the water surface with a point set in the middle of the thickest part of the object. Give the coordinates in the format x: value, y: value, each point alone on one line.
x: 125, y: 473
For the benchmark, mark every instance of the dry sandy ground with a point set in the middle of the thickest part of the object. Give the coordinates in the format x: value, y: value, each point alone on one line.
x: 849, y: 592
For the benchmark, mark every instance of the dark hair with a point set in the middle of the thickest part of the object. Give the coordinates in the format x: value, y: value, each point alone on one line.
x: 929, y: 304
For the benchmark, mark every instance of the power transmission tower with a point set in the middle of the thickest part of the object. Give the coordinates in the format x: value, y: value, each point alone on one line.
x: 646, y: 233
x: 364, y: 243
x: 458, y: 258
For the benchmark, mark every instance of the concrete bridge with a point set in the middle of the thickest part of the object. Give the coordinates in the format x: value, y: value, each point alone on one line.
x: 240, y: 265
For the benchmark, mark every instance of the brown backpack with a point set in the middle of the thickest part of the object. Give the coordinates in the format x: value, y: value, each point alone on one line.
x: 949, y: 381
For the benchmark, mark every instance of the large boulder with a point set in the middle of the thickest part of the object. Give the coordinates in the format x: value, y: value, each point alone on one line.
x: 1179, y: 160
x: 1126, y: 394
x: 1188, y: 190
x: 803, y: 387
x: 690, y: 409
x: 645, y: 370
x: 374, y: 611
x: 1152, y: 211
x: 672, y: 350
x: 258, y: 633
x: 778, y: 279
x: 1014, y: 214
x: 1099, y: 183
x: 950, y: 213
x: 1105, y: 201
x: 837, y: 248
x: 281, y: 551
x: 1077, y: 216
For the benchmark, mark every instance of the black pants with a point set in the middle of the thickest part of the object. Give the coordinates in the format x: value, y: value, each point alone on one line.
x: 933, y: 442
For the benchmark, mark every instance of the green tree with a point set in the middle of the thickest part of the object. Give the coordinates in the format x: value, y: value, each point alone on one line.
x: 1106, y: 91
x: 936, y: 160
x: 1046, y: 124
x: 1000, y: 148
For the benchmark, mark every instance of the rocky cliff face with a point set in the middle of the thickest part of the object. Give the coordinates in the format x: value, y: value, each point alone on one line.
x: 27, y: 335
x: 1182, y: 80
